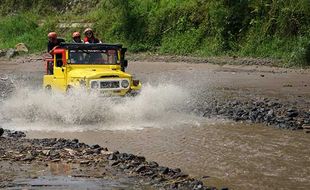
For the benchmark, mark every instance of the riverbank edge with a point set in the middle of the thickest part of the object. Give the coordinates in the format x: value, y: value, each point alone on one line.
x: 14, y: 147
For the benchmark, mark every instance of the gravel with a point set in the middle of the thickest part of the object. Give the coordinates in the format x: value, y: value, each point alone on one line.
x: 266, y: 111
x: 15, y: 148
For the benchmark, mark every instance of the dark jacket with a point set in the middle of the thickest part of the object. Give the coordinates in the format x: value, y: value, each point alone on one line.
x: 51, y: 45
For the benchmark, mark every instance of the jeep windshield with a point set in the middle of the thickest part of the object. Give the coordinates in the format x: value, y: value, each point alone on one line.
x: 106, y: 57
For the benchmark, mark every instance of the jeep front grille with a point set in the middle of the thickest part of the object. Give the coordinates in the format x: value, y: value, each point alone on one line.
x: 109, y: 84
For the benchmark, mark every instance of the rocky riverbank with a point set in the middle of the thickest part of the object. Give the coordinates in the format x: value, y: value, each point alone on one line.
x: 93, y: 161
x: 260, y: 110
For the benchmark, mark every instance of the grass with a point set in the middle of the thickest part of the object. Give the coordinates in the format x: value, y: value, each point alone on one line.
x: 275, y: 29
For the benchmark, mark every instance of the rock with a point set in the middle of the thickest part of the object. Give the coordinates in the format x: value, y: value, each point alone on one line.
x: 97, y: 151
x: 55, y: 160
x: 88, y: 151
x: 176, y: 170
x: 28, y: 157
x: 153, y: 164
x: 270, y: 113
x: 16, y: 134
x: 163, y: 170
x: 306, y: 126
x: 54, y: 155
x: 112, y: 157
x: 46, y: 152
x: 148, y: 173
x: 105, y: 152
x: 11, y: 53
x: 84, y: 162
x: 287, y: 85
x: 114, y: 163
x: 21, y: 47
x: 70, y: 151
x: 2, y: 53
x: 292, y: 113
x: 141, y: 158
x: 95, y: 146
x: 1, y: 131
x: 140, y: 168
x: 198, y: 186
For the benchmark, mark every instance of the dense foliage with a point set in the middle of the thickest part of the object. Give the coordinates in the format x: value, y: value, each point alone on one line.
x: 259, y: 28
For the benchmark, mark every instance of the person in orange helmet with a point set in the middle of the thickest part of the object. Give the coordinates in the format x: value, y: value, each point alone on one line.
x: 53, y: 41
x: 76, y: 38
x: 90, y: 37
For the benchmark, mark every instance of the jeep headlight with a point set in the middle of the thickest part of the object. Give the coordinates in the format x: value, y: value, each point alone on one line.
x: 94, y: 84
x: 125, y: 83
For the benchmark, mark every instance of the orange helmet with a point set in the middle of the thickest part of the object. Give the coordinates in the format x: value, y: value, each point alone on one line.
x: 88, y: 30
x: 52, y: 35
x: 76, y: 34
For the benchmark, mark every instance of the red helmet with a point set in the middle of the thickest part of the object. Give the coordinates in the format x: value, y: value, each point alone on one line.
x: 76, y: 34
x: 52, y: 35
x: 88, y: 30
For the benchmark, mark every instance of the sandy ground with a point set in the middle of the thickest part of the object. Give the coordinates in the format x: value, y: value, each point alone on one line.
x: 260, y: 79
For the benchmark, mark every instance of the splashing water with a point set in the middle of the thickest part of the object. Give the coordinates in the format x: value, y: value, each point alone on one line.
x: 156, y: 106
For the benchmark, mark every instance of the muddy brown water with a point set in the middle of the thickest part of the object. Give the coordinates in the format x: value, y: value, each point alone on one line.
x: 221, y: 153
x: 240, y: 156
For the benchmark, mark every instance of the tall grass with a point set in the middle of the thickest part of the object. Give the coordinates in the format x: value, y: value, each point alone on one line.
x: 270, y: 28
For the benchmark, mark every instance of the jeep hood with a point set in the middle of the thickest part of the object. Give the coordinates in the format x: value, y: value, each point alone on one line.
x: 97, y: 73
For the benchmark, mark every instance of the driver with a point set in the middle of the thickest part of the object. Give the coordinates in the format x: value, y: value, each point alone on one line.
x: 53, y: 41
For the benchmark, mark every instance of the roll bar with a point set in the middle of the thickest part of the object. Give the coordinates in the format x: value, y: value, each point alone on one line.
x: 81, y: 46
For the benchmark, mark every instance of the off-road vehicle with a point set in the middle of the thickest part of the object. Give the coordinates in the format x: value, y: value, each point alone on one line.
x: 94, y: 67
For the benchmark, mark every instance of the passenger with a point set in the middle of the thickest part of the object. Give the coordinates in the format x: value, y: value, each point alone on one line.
x: 76, y: 38
x: 53, y: 41
x: 90, y: 37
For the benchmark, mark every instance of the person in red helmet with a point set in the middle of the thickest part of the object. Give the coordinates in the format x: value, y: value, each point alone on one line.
x: 90, y: 37
x: 53, y: 41
x: 76, y: 38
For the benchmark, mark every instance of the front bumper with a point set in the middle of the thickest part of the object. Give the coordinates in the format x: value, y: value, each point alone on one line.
x: 119, y: 86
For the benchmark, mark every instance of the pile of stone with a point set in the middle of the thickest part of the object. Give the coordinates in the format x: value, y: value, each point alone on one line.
x: 15, y: 148
x: 265, y: 111
x: 12, y: 52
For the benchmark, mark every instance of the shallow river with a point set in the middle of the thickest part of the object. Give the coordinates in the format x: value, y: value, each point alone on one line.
x: 159, y: 125
x: 234, y: 155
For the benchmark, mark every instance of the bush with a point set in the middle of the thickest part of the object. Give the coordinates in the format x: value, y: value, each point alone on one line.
x: 23, y: 28
x: 278, y: 29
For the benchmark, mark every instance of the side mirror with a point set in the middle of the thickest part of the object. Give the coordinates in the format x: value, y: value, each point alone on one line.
x: 125, y: 64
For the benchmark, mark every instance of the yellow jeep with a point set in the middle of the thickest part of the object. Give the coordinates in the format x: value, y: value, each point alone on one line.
x: 98, y: 67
